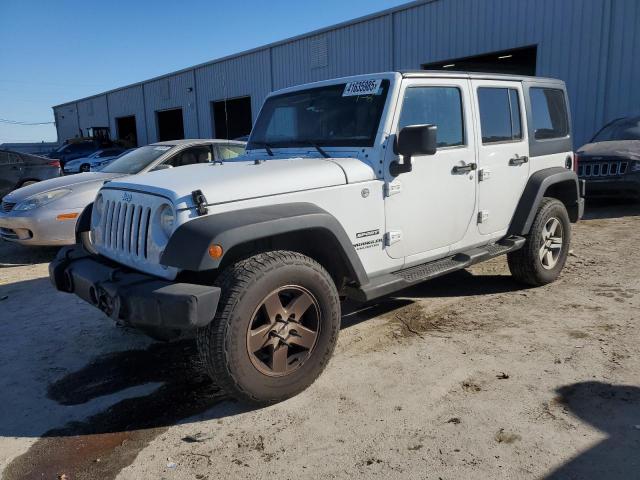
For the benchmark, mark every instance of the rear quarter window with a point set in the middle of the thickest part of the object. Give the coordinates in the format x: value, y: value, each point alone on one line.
x: 549, y: 113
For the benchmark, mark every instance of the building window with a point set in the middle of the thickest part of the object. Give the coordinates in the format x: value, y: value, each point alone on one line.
x: 549, y: 112
x: 439, y: 106
x: 499, y: 115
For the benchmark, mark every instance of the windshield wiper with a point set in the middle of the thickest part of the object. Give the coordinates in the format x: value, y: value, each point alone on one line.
x: 266, y: 146
x: 317, y: 147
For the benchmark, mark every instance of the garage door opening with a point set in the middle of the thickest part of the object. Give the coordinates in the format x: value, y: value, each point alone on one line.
x: 519, y: 61
x: 170, y: 125
x: 232, y: 118
x: 126, y: 130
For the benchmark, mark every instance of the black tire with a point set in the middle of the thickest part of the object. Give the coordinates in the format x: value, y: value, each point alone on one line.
x: 525, y: 264
x: 85, y: 167
x: 224, y: 344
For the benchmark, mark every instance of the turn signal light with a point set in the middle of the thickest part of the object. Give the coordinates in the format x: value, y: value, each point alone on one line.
x: 215, y: 251
x: 66, y: 216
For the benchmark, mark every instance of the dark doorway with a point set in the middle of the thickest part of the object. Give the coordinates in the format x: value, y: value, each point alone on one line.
x: 232, y: 118
x: 126, y: 130
x: 170, y: 125
x: 519, y: 61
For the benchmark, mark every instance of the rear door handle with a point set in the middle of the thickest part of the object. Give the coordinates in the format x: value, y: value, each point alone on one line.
x: 518, y: 160
x: 465, y: 168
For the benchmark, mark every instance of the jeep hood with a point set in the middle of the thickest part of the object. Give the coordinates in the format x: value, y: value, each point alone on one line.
x: 629, y: 149
x: 241, y: 180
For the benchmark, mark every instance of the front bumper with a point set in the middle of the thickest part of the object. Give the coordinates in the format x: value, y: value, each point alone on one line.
x: 134, y: 298
x: 38, y: 227
x: 625, y: 186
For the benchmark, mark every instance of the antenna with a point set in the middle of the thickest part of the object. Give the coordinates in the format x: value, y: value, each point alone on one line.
x: 224, y: 90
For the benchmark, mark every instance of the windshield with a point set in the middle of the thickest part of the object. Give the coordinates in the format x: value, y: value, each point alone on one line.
x: 623, y: 129
x: 346, y: 114
x: 136, y: 160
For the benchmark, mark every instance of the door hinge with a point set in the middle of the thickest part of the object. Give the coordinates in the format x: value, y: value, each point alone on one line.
x: 392, y: 237
x: 484, y: 174
x: 483, y: 216
x: 392, y: 188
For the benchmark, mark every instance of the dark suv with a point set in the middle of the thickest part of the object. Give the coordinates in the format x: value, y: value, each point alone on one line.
x: 71, y: 151
x: 610, y: 163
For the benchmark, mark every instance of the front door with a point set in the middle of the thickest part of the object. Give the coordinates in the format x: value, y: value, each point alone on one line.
x: 503, y: 153
x: 430, y: 208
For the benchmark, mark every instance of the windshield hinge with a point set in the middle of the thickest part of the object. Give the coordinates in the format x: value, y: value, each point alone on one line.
x: 201, y: 202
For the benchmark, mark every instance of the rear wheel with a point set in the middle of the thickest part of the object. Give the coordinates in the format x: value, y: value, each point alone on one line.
x: 276, y: 327
x: 85, y: 167
x: 28, y: 182
x: 544, y: 254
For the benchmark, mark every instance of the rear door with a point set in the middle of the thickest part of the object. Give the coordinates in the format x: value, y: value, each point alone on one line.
x: 503, y: 152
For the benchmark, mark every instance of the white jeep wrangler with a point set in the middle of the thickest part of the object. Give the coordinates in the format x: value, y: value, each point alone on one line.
x: 355, y: 187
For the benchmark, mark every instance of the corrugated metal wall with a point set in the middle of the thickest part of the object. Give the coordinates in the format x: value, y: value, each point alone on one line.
x: 126, y: 102
x: 246, y: 75
x: 66, y: 121
x: 93, y: 112
x: 591, y: 44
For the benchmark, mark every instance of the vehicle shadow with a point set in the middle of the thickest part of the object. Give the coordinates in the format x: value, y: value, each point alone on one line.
x: 15, y: 255
x: 601, y: 208
x: 614, y: 410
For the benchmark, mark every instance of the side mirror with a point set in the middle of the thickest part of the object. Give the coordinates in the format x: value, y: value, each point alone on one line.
x: 162, y: 166
x: 414, y: 140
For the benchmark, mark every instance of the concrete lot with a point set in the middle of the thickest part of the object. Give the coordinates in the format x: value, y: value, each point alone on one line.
x: 470, y: 376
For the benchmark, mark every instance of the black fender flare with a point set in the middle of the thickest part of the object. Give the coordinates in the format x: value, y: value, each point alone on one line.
x: 188, y: 246
x: 84, y: 221
x: 537, y: 187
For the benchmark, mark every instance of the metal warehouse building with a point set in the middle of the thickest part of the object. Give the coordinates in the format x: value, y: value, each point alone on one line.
x: 594, y: 45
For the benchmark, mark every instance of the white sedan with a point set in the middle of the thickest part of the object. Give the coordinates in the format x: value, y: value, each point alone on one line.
x: 85, y: 164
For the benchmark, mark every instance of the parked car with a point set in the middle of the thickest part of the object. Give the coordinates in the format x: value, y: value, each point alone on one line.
x: 103, y: 162
x: 610, y: 162
x: 71, y: 151
x: 88, y: 163
x: 22, y: 169
x: 46, y: 213
x: 355, y: 187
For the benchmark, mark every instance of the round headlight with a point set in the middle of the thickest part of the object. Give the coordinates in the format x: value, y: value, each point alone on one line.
x: 167, y: 219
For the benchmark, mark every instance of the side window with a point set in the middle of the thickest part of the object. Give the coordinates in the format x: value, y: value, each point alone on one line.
x: 190, y: 156
x: 225, y: 152
x: 499, y: 114
x: 440, y: 106
x: 549, y: 113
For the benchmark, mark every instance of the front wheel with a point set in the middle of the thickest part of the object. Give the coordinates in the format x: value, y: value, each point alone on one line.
x: 275, y: 329
x: 545, y: 251
x: 85, y: 167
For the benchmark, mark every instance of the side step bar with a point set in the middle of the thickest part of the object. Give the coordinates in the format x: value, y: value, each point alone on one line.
x: 392, y: 282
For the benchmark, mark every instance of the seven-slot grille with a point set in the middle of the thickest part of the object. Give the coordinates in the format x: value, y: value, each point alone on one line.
x: 7, y: 206
x: 125, y: 228
x: 602, y: 168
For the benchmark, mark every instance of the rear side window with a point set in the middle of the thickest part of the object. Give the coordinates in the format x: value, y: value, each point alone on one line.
x: 549, y: 113
x: 499, y: 115
x: 439, y: 106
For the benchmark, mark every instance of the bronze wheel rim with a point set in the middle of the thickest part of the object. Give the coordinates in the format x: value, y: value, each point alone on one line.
x: 283, y: 331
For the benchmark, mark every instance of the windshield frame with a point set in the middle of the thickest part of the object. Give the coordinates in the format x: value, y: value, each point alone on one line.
x: 146, y: 167
x: 387, y: 86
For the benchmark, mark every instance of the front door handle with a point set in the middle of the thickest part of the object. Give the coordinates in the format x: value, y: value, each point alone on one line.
x: 466, y: 168
x: 518, y: 160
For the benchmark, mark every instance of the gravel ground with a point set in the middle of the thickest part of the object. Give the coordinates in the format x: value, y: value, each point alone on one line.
x: 469, y: 376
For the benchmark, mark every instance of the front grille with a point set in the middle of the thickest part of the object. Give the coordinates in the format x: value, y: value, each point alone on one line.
x: 602, y: 169
x: 8, y: 233
x: 125, y: 228
x: 7, y: 206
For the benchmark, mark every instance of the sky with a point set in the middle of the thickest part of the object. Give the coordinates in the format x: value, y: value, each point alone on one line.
x: 53, y: 51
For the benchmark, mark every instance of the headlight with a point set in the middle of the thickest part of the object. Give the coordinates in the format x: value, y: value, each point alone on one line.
x: 40, y: 199
x: 167, y: 219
